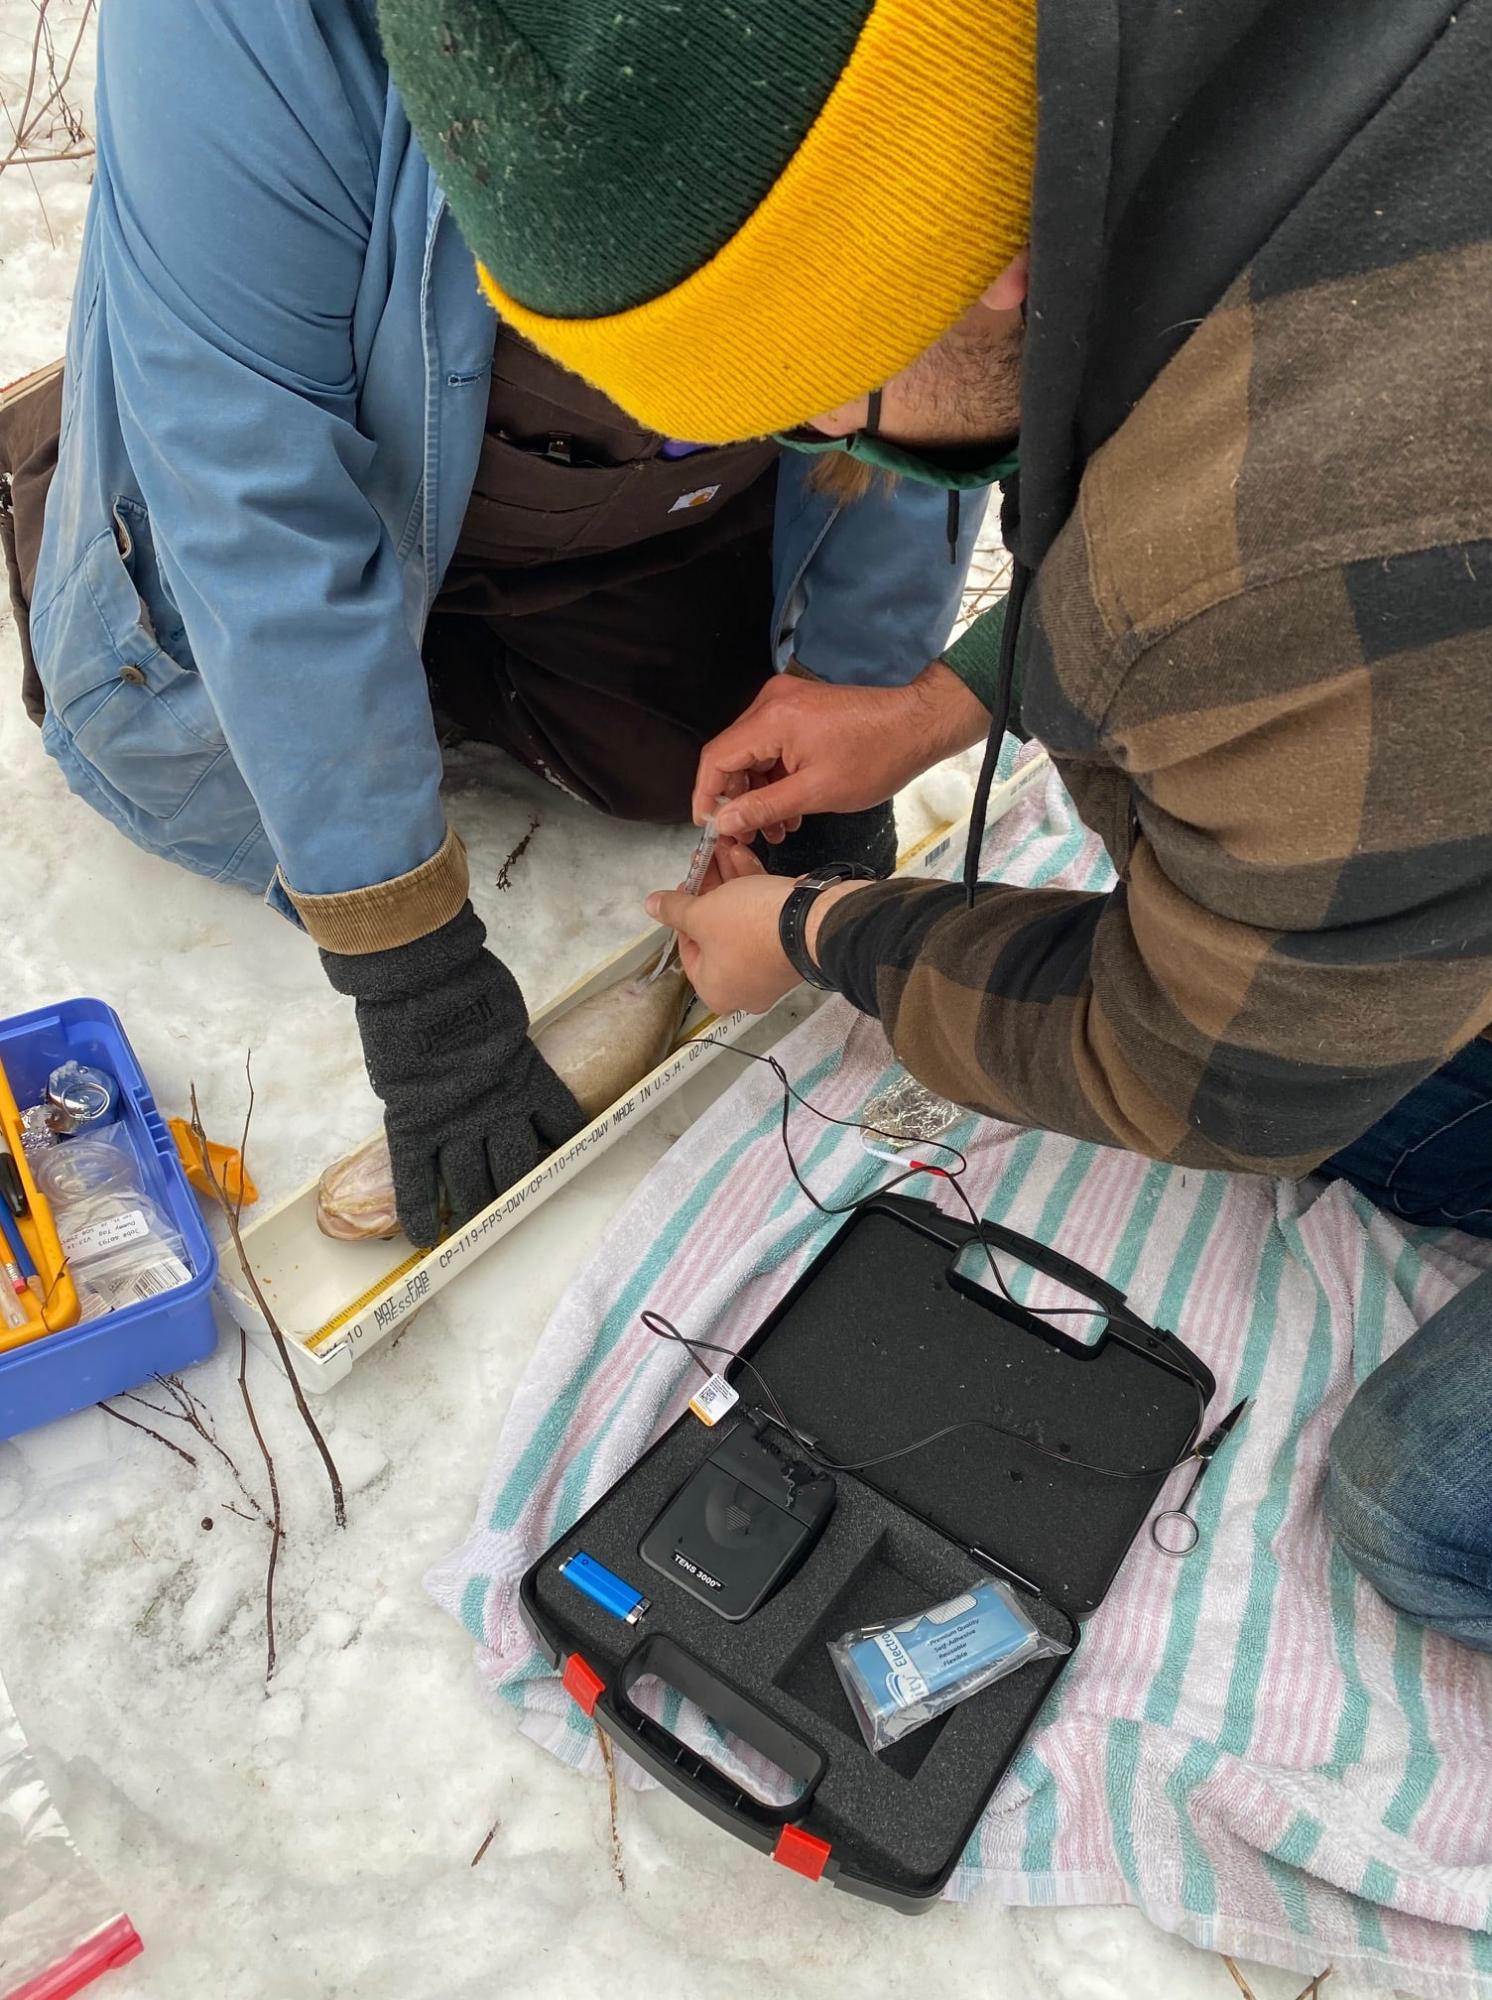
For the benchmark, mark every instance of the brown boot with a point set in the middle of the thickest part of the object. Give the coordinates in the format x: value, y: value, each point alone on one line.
x: 30, y: 421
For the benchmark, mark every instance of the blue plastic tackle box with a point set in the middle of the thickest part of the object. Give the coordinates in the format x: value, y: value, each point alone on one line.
x: 84, y: 1364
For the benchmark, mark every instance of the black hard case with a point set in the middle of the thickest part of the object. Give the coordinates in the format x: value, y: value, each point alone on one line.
x: 887, y: 1335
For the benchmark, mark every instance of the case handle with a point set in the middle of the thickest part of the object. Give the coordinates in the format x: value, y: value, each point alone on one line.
x: 691, y: 1774
x: 1125, y: 1325
x: 1041, y: 1257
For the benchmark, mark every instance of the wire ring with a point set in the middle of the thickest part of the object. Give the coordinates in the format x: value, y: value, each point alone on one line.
x: 1175, y: 1514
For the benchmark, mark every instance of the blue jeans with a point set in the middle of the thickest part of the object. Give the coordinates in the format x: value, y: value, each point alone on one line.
x: 1409, y: 1492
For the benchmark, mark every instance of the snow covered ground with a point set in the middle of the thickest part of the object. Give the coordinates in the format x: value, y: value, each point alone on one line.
x: 317, y: 1840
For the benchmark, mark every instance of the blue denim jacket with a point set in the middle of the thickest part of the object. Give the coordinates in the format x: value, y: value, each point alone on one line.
x: 275, y: 394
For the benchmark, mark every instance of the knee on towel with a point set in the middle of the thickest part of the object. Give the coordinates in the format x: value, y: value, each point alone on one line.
x: 1409, y: 1490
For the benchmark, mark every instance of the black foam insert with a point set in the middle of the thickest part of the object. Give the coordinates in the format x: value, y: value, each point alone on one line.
x: 882, y: 1346
x: 904, y: 1817
x: 875, y: 1346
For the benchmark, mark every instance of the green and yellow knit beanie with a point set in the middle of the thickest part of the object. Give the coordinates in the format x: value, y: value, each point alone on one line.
x: 727, y: 214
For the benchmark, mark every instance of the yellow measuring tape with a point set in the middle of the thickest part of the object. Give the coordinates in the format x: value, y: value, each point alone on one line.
x: 326, y: 1333
x: 317, y: 1340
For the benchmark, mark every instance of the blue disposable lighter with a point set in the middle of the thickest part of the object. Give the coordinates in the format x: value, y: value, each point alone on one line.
x: 604, y: 1587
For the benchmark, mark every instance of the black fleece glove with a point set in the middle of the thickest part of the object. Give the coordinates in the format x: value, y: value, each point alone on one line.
x: 469, y: 1103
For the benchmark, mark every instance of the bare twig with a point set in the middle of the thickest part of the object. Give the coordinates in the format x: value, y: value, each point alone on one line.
x: 37, y: 122
x: 609, y: 1761
x: 27, y: 126
x: 505, y: 873
x: 72, y: 123
x: 187, y: 1403
x: 1313, y: 1991
x: 231, y: 1214
x: 487, y: 1842
x: 72, y: 120
x: 21, y: 124
x: 197, y: 1417
x: 276, y: 1531
x: 1238, y: 1979
x: 45, y: 159
x: 120, y: 1418
x: 243, y: 1144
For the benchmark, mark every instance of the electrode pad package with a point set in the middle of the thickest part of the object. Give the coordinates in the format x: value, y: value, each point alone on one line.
x: 900, y: 1677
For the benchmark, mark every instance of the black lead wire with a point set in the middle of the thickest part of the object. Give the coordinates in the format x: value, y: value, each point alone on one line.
x: 792, y: 1095
x: 664, y: 1329
x: 1020, y: 578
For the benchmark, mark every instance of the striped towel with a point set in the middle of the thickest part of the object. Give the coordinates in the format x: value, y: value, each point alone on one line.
x: 1250, y: 1746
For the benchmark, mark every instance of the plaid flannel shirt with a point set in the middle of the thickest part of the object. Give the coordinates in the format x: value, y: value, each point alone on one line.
x: 1260, y: 653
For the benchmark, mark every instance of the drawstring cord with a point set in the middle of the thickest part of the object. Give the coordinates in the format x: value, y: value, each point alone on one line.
x: 1020, y: 577
x: 872, y: 428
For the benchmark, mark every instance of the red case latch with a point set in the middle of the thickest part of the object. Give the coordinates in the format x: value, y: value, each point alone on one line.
x: 803, y: 1852
x: 582, y: 1683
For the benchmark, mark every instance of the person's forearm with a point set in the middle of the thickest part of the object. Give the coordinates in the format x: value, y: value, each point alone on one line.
x: 820, y: 907
x: 946, y: 718
x: 869, y: 588
x: 239, y: 416
x: 974, y: 655
x: 951, y: 714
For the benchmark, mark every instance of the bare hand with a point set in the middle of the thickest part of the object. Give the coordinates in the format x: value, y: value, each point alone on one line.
x: 807, y: 746
x: 728, y: 940
x: 732, y: 861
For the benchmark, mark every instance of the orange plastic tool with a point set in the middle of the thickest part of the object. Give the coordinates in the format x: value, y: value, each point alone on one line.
x: 226, y: 1163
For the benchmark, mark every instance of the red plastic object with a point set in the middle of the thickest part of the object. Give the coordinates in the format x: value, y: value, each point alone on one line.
x: 582, y: 1683
x: 115, y: 1945
x: 803, y: 1852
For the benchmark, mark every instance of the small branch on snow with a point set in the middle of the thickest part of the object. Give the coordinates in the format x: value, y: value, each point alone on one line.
x: 505, y: 873
x: 276, y: 1530
x: 196, y: 1415
x: 231, y: 1213
x: 609, y: 1760
x: 120, y: 1418
x: 37, y: 123
x: 45, y: 159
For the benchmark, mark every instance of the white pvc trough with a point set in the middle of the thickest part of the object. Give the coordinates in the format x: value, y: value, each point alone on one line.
x: 335, y: 1301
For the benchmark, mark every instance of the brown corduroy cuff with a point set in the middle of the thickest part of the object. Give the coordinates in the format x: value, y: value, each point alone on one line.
x: 385, y: 915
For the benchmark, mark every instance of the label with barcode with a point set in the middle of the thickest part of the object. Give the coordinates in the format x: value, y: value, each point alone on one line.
x: 150, y: 1280
x: 126, y: 1284
x: 110, y: 1234
x: 714, y: 1400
